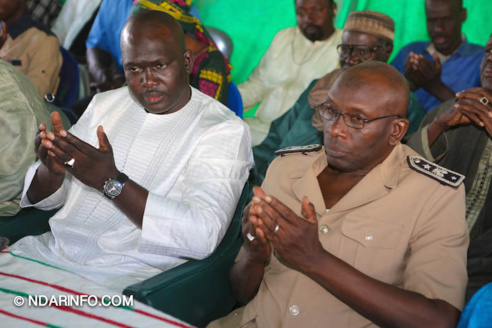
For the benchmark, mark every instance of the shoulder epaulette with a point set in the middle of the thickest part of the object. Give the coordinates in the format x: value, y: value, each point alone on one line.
x: 442, y: 175
x: 298, y: 149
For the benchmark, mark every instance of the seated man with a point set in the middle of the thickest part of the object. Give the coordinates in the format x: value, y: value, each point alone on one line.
x: 457, y: 135
x: 21, y: 113
x: 438, y: 69
x: 296, y: 56
x: 29, y: 46
x: 367, y: 35
x: 211, y: 70
x: 359, y: 234
x: 148, y: 177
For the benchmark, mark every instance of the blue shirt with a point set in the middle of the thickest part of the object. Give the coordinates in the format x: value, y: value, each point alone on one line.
x: 461, y: 71
x: 106, y: 30
x: 477, y: 312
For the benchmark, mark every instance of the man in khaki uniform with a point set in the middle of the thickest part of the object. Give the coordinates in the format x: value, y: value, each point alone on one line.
x: 359, y: 234
x: 29, y: 46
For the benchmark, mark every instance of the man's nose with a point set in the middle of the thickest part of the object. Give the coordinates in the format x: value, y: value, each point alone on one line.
x: 338, y: 127
x: 439, y: 27
x: 148, y: 78
x: 353, y: 59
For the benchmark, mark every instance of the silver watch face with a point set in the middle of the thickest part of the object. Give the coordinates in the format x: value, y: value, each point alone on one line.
x: 113, y: 188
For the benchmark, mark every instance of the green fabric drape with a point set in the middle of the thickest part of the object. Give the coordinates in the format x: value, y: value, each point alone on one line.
x: 252, y: 24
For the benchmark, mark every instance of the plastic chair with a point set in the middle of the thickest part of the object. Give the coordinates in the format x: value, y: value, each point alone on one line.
x: 68, y: 87
x: 197, y: 291
x: 222, y: 40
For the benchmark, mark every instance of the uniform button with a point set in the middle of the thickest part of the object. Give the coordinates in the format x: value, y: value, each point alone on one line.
x: 369, y: 237
x: 324, y: 229
x: 294, y: 310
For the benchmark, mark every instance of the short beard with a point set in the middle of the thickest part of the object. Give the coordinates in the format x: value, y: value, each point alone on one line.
x: 315, y: 32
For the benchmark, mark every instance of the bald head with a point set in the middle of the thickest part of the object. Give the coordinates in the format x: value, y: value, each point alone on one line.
x: 154, y: 25
x: 379, y: 81
x: 156, y: 62
x: 377, y: 95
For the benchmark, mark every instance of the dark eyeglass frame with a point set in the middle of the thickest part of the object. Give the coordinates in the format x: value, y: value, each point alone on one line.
x: 352, y: 48
x: 322, y: 108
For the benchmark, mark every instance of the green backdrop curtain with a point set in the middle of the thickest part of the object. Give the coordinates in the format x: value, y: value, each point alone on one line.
x: 252, y: 24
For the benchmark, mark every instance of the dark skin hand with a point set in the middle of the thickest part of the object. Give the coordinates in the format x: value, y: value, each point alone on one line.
x: 93, y: 167
x: 422, y: 73
x: 100, y: 67
x: 50, y: 174
x: 297, y: 243
x: 468, y: 109
x: 247, y: 272
x: 3, y: 34
x: 410, y: 71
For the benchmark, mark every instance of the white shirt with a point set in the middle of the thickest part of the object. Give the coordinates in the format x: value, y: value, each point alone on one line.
x: 72, y: 18
x: 194, y: 162
x: 289, y: 65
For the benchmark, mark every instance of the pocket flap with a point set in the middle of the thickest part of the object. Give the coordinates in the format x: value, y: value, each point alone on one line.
x: 372, y: 233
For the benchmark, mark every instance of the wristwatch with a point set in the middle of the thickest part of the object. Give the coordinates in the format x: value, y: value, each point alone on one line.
x: 113, y: 186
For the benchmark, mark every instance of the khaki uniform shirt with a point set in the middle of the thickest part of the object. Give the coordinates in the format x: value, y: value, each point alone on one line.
x: 396, y: 225
x: 37, y: 55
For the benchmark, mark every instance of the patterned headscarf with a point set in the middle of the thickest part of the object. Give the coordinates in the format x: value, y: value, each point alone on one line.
x: 180, y: 10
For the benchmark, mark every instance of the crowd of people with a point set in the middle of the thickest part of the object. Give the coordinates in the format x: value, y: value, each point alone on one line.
x: 370, y: 181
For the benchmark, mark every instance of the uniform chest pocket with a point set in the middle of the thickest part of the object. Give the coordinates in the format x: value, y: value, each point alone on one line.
x: 371, y: 233
x: 371, y: 246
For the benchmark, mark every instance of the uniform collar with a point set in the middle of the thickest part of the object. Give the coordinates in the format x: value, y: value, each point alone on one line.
x: 308, y: 185
x: 376, y: 184
x: 23, y: 24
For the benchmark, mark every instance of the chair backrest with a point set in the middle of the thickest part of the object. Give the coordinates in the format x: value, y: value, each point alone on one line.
x: 222, y: 40
x: 197, y: 291
x: 235, y: 101
x: 68, y: 87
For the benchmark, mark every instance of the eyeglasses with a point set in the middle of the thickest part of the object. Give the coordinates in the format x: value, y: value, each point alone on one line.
x: 363, y: 52
x: 316, y: 11
x: 351, y: 120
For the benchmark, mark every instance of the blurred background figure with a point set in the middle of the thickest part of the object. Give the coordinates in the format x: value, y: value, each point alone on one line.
x: 436, y: 70
x: 21, y: 113
x: 29, y: 46
x: 296, y: 56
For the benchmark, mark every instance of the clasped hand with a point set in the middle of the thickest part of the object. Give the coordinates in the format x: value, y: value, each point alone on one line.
x: 294, y: 238
x: 475, y: 104
x: 421, y: 72
x: 92, y: 166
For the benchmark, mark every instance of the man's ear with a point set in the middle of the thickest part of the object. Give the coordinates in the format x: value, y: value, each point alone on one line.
x: 398, y: 129
x: 188, y: 60
x: 464, y: 15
